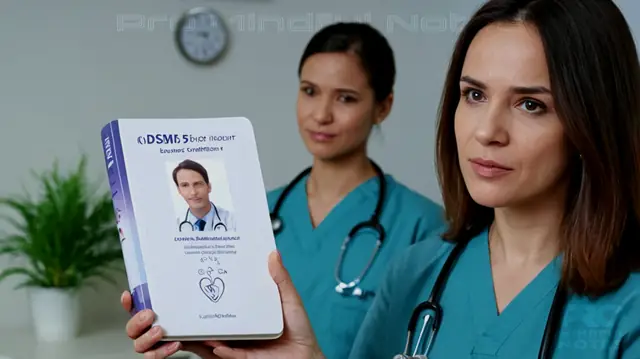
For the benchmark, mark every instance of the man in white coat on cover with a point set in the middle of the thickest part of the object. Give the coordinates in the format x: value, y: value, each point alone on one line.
x: 192, y: 181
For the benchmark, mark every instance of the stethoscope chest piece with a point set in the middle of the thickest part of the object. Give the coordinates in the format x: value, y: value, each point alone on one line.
x: 350, y: 289
x: 403, y: 356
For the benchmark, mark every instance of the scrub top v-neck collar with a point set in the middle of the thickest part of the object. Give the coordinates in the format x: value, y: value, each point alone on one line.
x: 494, y: 328
x: 335, y: 219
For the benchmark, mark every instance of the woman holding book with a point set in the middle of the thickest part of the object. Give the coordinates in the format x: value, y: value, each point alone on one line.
x: 538, y: 151
x: 347, y: 74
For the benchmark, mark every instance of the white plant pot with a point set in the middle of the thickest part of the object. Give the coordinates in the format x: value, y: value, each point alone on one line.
x: 56, y: 313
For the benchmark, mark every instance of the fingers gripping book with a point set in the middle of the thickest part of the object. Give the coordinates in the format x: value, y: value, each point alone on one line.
x: 193, y: 219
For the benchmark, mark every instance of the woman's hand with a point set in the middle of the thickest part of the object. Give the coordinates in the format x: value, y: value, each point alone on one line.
x: 146, y: 340
x: 297, y: 341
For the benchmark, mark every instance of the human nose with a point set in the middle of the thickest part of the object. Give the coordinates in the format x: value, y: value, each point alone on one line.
x: 322, y: 112
x: 491, y: 127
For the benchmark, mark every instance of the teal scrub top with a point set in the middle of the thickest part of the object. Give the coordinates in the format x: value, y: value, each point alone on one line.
x: 604, y: 328
x: 310, y: 255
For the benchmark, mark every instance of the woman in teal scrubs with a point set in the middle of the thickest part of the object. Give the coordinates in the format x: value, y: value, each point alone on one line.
x: 347, y: 74
x: 538, y: 151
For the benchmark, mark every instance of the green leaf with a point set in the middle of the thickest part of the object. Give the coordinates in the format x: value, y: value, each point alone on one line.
x: 67, y: 233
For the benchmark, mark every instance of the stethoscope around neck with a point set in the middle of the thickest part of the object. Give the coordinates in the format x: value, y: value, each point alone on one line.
x: 432, y: 306
x: 192, y: 227
x: 351, y: 288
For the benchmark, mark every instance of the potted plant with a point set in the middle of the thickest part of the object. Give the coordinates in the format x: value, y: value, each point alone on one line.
x: 66, y: 237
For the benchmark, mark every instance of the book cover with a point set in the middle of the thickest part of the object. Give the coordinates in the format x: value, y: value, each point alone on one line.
x: 193, y: 218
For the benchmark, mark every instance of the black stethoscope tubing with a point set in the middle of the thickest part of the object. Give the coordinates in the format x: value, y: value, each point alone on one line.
x: 352, y: 287
x: 551, y: 330
x: 373, y: 221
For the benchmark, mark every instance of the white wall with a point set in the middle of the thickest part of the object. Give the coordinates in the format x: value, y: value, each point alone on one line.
x: 66, y: 70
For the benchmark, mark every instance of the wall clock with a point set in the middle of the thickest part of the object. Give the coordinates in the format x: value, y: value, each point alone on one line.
x: 201, y: 36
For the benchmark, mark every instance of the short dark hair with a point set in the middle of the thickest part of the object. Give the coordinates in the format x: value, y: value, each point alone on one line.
x: 371, y: 47
x: 190, y: 165
x: 595, y: 74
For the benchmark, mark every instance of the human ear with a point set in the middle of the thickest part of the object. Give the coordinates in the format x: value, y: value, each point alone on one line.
x: 383, y: 108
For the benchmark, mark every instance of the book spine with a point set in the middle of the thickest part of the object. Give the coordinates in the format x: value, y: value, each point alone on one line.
x: 125, y: 217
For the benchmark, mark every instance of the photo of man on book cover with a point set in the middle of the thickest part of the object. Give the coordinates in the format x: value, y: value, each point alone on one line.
x: 203, y: 213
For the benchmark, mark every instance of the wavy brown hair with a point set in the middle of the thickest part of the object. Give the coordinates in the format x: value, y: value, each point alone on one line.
x: 595, y: 77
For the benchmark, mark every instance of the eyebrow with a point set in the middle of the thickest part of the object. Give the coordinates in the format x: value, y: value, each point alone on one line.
x: 522, y: 90
x: 347, y: 90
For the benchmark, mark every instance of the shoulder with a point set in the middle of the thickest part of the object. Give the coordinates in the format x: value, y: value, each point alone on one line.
x: 273, y: 194
x: 626, y: 301
x: 418, y: 262
x: 610, y: 320
x: 631, y: 287
x: 424, y: 214
x: 430, y: 251
x: 410, y: 201
x: 409, y: 276
x: 222, y: 211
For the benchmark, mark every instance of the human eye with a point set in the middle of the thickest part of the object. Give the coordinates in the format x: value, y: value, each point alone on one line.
x: 472, y: 95
x: 308, y: 90
x: 346, y: 98
x: 533, y: 107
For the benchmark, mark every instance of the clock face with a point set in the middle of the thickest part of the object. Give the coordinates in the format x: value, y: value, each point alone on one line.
x: 201, y: 36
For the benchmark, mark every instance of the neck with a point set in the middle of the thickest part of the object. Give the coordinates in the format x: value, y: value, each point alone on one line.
x: 331, y: 180
x: 201, y: 212
x: 529, y: 234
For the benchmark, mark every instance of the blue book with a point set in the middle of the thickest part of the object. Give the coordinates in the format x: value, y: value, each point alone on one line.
x: 194, y: 225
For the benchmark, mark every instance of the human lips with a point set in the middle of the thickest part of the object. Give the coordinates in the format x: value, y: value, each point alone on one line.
x: 489, y: 168
x: 321, y: 136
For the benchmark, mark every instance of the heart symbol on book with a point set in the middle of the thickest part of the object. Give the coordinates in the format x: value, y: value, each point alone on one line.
x: 212, y: 289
